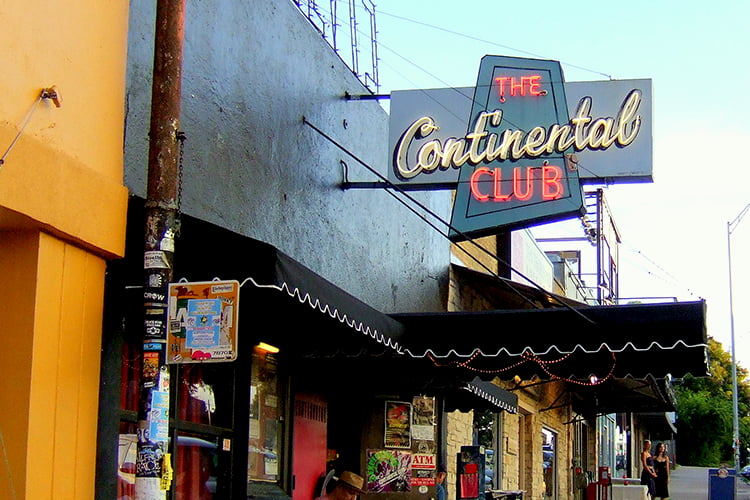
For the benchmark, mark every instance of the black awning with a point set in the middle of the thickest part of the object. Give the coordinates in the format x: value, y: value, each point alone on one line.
x: 623, y: 395
x: 278, y: 293
x: 592, y: 343
x: 660, y: 426
x: 298, y: 285
x: 479, y: 394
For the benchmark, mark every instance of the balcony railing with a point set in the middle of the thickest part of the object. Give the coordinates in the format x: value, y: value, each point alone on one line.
x: 359, y: 18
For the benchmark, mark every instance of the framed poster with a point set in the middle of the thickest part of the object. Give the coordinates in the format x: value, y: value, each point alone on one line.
x: 203, y: 321
x: 397, y: 424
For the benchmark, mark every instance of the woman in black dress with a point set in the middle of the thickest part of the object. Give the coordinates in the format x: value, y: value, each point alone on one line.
x: 649, y: 473
x: 661, y: 464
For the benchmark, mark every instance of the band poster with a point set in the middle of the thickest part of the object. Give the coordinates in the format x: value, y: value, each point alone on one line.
x: 388, y: 471
x: 397, y: 424
x: 423, y: 418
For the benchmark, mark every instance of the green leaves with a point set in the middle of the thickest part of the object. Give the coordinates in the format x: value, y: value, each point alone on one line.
x: 704, y: 412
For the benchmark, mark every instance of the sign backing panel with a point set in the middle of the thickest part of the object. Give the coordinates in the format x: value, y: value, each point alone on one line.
x: 515, y: 100
x: 203, y: 321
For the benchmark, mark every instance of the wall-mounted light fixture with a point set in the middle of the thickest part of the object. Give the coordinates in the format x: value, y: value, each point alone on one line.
x: 267, y: 348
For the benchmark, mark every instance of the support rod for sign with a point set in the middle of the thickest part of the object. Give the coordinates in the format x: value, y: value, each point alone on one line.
x: 394, y: 187
x: 347, y: 184
x: 153, y: 467
x: 365, y: 97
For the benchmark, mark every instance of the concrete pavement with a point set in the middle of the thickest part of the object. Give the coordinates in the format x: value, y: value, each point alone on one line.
x: 692, y: 483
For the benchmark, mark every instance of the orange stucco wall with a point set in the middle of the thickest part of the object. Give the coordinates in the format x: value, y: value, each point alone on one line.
x: 62, y: 214
x: 65, y: 172
x: 50, y: 366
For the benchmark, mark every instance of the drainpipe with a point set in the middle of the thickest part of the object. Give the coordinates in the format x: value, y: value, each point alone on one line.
x: 153, y: 466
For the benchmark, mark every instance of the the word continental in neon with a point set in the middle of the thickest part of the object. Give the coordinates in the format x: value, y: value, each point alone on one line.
x: 480, y: 146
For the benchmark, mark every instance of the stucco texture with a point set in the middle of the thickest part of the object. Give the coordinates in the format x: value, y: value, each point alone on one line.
x: 251, y: 73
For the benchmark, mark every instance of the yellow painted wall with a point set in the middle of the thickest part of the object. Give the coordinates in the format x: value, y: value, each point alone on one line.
x: 65, y: 172
x: 49, y: 366
x: 18, y: 256
x: 62, y: 213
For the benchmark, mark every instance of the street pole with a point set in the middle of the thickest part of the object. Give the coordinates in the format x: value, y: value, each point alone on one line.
x: 153, y: 467
x: 735, y: 406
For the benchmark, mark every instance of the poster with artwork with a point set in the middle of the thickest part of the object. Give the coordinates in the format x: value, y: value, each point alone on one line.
x: 397, y: 424
x: 388, y: 471
x: 423, y: 410
x: 423, y: 418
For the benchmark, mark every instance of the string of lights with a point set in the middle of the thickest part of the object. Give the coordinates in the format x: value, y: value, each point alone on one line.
x: 533, y: 358
x: 662, y: 274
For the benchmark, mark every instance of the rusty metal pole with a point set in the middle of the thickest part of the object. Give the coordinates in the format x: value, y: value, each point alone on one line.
x: 153, y: 466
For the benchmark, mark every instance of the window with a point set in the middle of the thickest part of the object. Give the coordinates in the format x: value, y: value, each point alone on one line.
x: 488, y: 429
x: 549, y: 463
x: 265, y: 432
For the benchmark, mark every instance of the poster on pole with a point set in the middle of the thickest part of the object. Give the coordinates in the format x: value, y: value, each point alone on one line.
x: 203, y: 321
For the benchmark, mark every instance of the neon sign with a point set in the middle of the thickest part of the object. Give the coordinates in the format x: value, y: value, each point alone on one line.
x: 481, y: 146
x: 522, y: 185
x: 513, y: 160
x: 510, y: 162
x: 525, y: 85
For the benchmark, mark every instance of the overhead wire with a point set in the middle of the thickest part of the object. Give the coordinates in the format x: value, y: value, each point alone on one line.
x: 413, y: 200
x: 666, y: 276
x: 449, y: 225
x: 424, y: 218
x: 462, y: 95
x: 482, y: 40
x: 579, y: 165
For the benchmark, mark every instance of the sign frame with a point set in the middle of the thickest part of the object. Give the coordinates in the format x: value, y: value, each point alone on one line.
x: 203, y: 322
x: 542, y: 106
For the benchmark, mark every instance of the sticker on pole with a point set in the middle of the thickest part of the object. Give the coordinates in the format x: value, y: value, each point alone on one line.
x: 203, y: 321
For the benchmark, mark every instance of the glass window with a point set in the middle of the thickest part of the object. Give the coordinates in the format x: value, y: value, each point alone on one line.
x: 488, y: 429
x: 265, y: 418
x: 206, y: 394
x: 549, y: 463
x: 126, y: 453
x: 197, y: 468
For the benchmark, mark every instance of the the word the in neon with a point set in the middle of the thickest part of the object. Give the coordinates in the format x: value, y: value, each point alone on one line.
x: 523, y: 86
x: 489, y: 185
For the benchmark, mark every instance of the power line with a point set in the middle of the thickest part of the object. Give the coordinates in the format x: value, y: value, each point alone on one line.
x: 477, y: 39
x: 448, y: 224
x: 665, y: 276
x: 458, y: 89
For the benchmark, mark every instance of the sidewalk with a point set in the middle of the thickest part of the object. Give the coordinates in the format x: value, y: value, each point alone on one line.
x: 692, y: 483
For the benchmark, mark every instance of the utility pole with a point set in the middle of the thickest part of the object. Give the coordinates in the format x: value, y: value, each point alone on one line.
x: 731, y: 226
x: 153, y: 466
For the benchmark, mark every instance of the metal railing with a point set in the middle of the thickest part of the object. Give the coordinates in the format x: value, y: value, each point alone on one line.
x: 362, y: 59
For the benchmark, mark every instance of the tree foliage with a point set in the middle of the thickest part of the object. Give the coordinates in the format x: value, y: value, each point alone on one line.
x: 705, y: 411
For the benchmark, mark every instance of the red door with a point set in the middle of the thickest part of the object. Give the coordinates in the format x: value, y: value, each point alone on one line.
x: 310, y: 445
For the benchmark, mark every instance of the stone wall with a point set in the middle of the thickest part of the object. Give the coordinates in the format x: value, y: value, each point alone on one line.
x: 459, y: 433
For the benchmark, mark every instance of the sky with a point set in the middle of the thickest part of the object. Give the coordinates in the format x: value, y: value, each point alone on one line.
x: 674, y: 230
